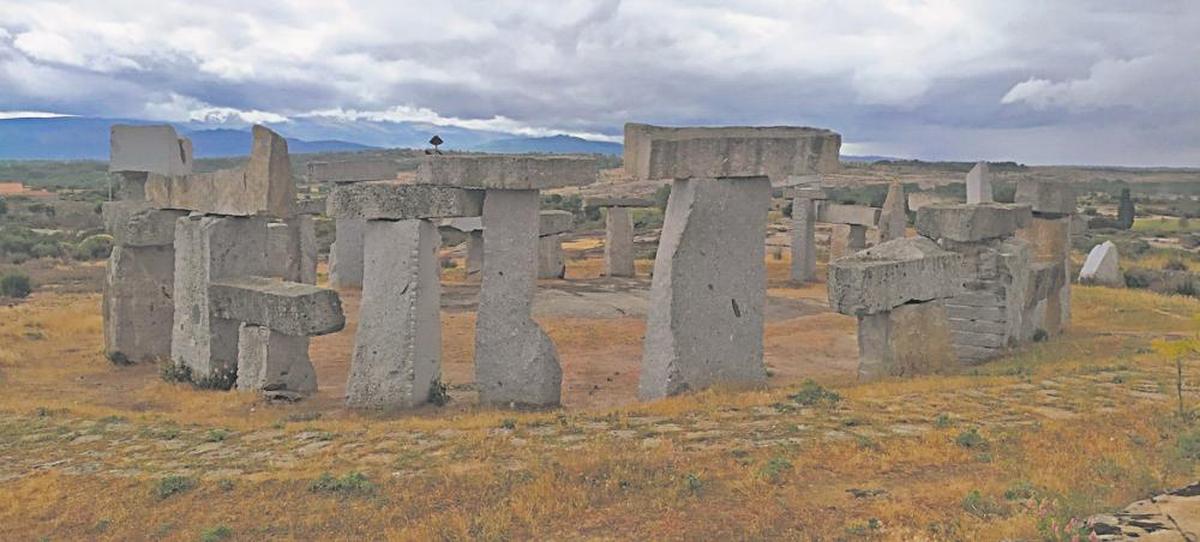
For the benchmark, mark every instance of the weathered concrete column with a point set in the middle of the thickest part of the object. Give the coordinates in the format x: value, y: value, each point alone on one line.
x: 979, y: 184
x: 515, y: 361
x: 397, y: 350
x: 475, y: 255
x: 1049, y: 234
x: 271, y: 361
x: 618, y: 243
x: 551, y: 226
x: 893, y: 218
x: 707, y: 297
x: 292, y: 249
x: 896, y: 290
x: 804, y: 230
x: 346, y: 253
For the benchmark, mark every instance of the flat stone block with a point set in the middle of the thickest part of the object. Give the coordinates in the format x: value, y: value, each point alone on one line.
x: 618, y: 243
x: 856, y: 215
x: 1046, y: 197
x: 342, y: 171
x: 555, y: 222
x: 707, y: 297
x: 891, y: 274
x: 614, y: 201
x: 291, y: 308
x: 913, y: 339
x: 509, y: 172
x: 395, y: 201
x: 152, y: 149
x: 263, y: 187
x: 778, y: 152
x: 1103, y: 266
x: 515, y: 361
x: 970, y: 223
x: 398, y: 346
x: 137, y: 305
x: 271, y: 361
x: 137, y: 224
x: 346, y: 253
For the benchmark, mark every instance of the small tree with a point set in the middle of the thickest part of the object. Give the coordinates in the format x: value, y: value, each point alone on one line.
x: 1125, y: 210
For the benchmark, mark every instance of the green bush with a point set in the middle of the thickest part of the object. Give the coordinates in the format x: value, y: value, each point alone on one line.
x: 352, y: 483
x: 96, y: 247
x: 15, y: 284
x: 46, y: 250
x: 173, y: 485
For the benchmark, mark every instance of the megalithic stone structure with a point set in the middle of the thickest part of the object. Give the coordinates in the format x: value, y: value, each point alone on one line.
x: 516, y: 363
x: 1049, y: 234
x: 804, y: 229
x: 346, y: 252
x: 893, y: 218
x: 397, y: 350
x: 137, y: 300
x: 896, y: 290
x: 708, y: 293
x: 849, y: 233
x: 551, y: 226
x: 618, y: 233
x: 473, y: 227
x: 979, y: 184
x: 988, y: 317
x: 292, y: 244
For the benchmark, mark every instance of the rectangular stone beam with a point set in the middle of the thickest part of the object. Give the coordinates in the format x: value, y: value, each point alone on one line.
x: 891, y: 274
x: 1051, y: 199
x: 137, y: 224
x: 508, y: 172
x: 290, y: 308
x: 395, y: 201
x: 778, y: 152
x: 151, y: 149
x: 263, y: 187
x: 555, y: 222
x: 344, y: 171
x: 971, y: 223
x: 855, y: 215
x: 615, y: 201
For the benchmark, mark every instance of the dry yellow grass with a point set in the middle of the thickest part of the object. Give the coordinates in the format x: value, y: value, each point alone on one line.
x: 1083, y: 423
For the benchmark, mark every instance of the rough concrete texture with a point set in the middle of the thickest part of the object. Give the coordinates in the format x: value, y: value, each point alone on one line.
x: 614, y: 201
x: 305, y: 228
x: 707, y: 296
x: 804, y: 240
x: 555, y: 222
x: 292, y: 249
x: 310, y: 206
x: 515, y: 362
x: 777, y: 152
x: 208, y: 249
x: 971, y: 223
x: 893, y: 218
x: 398, y: 346
x: 263, y: 187
x: 137, y: 224
x: 271, y: 361
x: 395, y: 201
x: 988, y: 317
x: 465, y: 224
x: 891, y: 274
x: 509, y: 172
x: 550, y: 257
x: 801, y: 192
x: 618, y: 243
x: 1053, y: 199
x: 346, y: 253
x: 137, y: 303
x: 475, y: 254
x: 342, y: 171
x: 1050, y: 241
x: 151, y: 149
x: 979, y: 184
x: 909, y: 340
x: 846, y: 239
x: 290, y: 308
x: 858, y: 215
x: 1079, y: 224
x: 1103, y: 266
x: 130, y: 185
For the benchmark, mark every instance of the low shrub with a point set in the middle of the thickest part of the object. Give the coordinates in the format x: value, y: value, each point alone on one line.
x: 15, y: 284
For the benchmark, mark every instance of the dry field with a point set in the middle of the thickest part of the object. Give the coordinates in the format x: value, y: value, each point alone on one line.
x: 1015, y: 449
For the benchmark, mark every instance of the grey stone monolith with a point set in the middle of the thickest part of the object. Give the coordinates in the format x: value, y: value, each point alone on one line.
x: 137, y: 303
x: 397, y: 349
x: 272, y: 361
x: 346, y: 253
x: 208, y: 249
x: 1103, y: 266
x: 148, y: 149
x: 908, y: 340
x: 979, y: 184
x: 618, y: 243
x: 707, y: 297
x: 475, y: 255
x: 551, y: 264
x: 893, y: 218
x: 516, y: 363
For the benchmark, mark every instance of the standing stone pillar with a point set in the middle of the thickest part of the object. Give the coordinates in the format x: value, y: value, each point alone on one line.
x: 618, y: 233
x: 893, y: 218
x: 397, y: 349
x: 849, y: 233
x: 804, y: 230
x: 707, y: 297
x: 515, y: 361
x: 551, y: 226
x: 346, y: 253
x: 1049, y: 234
x: 475, y: 255
x: 979, y: 184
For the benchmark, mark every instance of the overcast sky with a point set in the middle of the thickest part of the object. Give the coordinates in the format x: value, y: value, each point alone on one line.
x: 1080, y: 81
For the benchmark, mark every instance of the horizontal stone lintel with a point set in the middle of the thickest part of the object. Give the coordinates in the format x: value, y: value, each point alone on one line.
x: 599, y: 201
x: 342, y: 171
x: 291, y: 308
x: 506, y: 172
x: 854, y: 215
x: 972, y: 223
x: 380, y: 200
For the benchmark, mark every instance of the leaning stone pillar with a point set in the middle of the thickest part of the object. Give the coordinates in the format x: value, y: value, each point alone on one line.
x: 707, y: 297
x: 515, y: 361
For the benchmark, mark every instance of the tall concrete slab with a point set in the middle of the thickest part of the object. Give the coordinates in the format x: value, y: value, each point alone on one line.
x: 148, y: 149
x: 979, y: 184
x: 804, y: 240
x: 908, y: 340
x: 271, y: 361
x: 618, y: 243
x: 397, y: 349
x: 893, y: 218
x: 551, y: 264
x: 516, y: 363
x: 707, y: 297
x: 346, y: 253
x: 207, y: 249
x: 137, y: 303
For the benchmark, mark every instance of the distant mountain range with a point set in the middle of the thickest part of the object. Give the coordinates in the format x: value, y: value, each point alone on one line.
x: 86, y: 138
